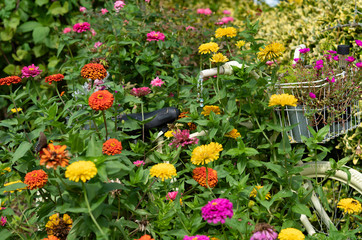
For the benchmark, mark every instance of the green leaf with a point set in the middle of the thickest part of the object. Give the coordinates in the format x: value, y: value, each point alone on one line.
x: 56, y: 8
x: 40, y: 33
x: 7, y: 34
x: 301, y: 209
x: 21, y: 150
x: 28, y: 26
x: 11, y: 69
x: 276, y: 168
x: 94, y: 148
x: 250, y: 152
x: 13, y: 187
x: 41, y: 2
x: 5, y: 234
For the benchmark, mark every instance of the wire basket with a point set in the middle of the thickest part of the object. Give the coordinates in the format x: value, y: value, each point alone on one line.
x: 347, y: 119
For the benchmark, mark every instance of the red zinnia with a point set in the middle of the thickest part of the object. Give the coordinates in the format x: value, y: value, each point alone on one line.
x: 36, y: 179
x: 101, y: 100
x: 112, y: 146
x: 93, y: 71
x: 54, y: 78
x: 200, y: 176
x: 10, y: 80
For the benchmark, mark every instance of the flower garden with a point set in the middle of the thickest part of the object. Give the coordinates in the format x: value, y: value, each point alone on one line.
x: 147, y: 120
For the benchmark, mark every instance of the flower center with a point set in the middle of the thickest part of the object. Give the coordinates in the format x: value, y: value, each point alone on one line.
x: 113, y: 144
x: 214, y: 203
x: 195, y: 238
x: 100, y: 96
x: 156, y: 35
x: 31, y: 69
x: 35, y: 175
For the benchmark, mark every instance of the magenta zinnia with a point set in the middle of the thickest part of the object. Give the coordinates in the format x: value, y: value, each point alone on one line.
x: 197, y: 237
x: 182, y: 138
x: 155, y: 36
x: 264, y: 231
x: 217, y: 210
x: 81, y: 27
x: 30, y: 71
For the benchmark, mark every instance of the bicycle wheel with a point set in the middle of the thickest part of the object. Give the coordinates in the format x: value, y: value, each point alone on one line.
x: 326, y: 192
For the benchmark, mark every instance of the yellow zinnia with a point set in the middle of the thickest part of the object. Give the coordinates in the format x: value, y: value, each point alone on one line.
x: 206, y: 110
x: 228, y: 32
x: 83, y: 170
x: 208, y: 48
x: 206, y: 153
x: 291, y: 234
x: 163, y: 171
x: 219, y: 58
x: 282, y: 100
x: 240, y: 43
x: 169, y: 134
x: 233, y: 134
x: 271, y: 51
x: 350, y: 205
x: 254, y: 192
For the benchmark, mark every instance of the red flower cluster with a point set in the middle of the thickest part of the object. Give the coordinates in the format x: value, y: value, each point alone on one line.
x: 54, y: 78
x: 112, y: 146
x: 93, y: 71
x: 10, y: 80
x: 200, y: 176
x: 101, y: 100
x: 36, y: 179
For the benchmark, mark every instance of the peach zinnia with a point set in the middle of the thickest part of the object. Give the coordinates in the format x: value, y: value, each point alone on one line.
x: 93, y: 71
x: 112, y: 146
x: 101, y: 100
x: 54, y: 156
x: 36, y: 179
x: 200, y: 176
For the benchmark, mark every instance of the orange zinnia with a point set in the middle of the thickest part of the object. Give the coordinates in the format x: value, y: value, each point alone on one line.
x: 54, y: 78
x: 54, y: 156
x: 93, y: 71
x: 200, y: 176
x: 10, y: 80
x: 51, y: 238
x: 36, y: 179
x: 101, y: 100
x: 112, y: 146
x: 145, y: 237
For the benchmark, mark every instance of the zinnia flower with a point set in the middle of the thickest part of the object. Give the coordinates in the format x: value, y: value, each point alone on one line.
x: 271, y: 52
x: 169, y: 134
x: 139, y: 163
x: 101, y: 100
x: 206, y: 153
x: 81, y: 170
x: 67, y: 30
x: 332, y: 52
x: 155, y: 36
x: 11, y: 183
x: 291, y: 234
x: 98, y: 44
x: 197, y: 237
x: 336, y: 58
x: 282, y: 100
x: 104, y: 11
x: 36, y: 179
x: 264, y: 231
x: 240, y: 43
x: 208, y: 48
x: 228, y: 32
x: 51, y: 238
x: 82, y: 9
x: 359, y: 64
x: 350, y: 59
x: 14, y: 110
x: 226, y: 12
x: 145, y: 237
x: 118, y: 5
x: 93, y: 71
x: 172, y: 195
x: 219, y: 58
x: 163, y: 171
x: 254, y: 192
x: 157, y: 82
x: 304, y: 50
x: 217, y: 210
x: 182, y: 138
x: 312, y: 95
x: 112, y: 146
x: 81, y: 27
x: 3, y: 220
x: 30, y: 71
x: 54, y: 78
x: 206, y: 11
x: 206, y: 110
x: 140, y: 92
x: 53, y: 156
x: 233, y: 134
x: 199, y: 175
x: 350, y: 205
x: 10, y: 80
x: 59, y: 227
x: 359, y: 42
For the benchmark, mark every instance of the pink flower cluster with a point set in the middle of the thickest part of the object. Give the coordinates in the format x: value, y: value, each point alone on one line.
x: 318, y: 64
x: 157, y: 82
x: 350, y: 59
x: 225, y: 20
x: 139, y: 163
x: 155, y: 36
x: 226, y: 12
x: 81, y: 27
x: 359, y: 64
x: 304, y: 50
x: 67, y: 30
x: 30, y: 71
x: 98, y: 44
x: 172, y: 195
x: 182, y: 138
x: 82, y: 9
x: 104, y: 11
x: 140, y: 92
x: 217, y: 210
x: 118, y: 5
x: 204, y: 11
x: 359, y: 43
x: 198, y: 237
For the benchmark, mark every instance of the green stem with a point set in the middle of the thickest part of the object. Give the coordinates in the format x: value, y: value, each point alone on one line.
x: 70, y: 51
x: 143, y: 125
x: 95, y: 124
x: 61, y: 179
x: 90, y: 211
x: 60, y: 97
x: 105, y: 124
x: 223, y: 232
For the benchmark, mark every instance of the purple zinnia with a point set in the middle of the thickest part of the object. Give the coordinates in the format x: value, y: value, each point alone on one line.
x: 359, y: 43
x: 332, y: 52
x: 336, y: 58
x: 217, y: 210
x: 350, y: 59
x: 30, y: 71
x: 312, y: 95
x: 183, y: 138
x: 140, y: 92
x: 319, y: 62
x: 359, y: 64
x: 264, y: 231
x: 139, y: 163
x: 304, y: 50
x: 198, y: 237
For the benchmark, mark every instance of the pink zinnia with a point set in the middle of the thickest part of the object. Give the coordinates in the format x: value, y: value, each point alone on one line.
x: 182, y: 138
x: 225, y: 20
x: 81, y: 27
x: 269, y: 63
x: 82, y: 9
x: 104, y: 11
x: 118, y: 5
x: 350, y: 59
x: 319, y: 62
x: 304, y: 50
x: 359, y: 43
x: 296, y: 60
x: 98, y: 44
x: 217, y: 210
x: 207, y: 11
x: 190, y: 27
x: 157, y: 82
x: 171, y: 195
x: 264, y: 231
x: 312, y: 95
x: 3, y: 221
x: 67, y: 30
x: 93, y: 32
x: 198, y: 237
x: 332, y: 52
x: 155, y: 36
x: 336, y: 58
x: 359, y: 64
x: 200, y: 11
x: 138, y: 163
x: 226, y: 12
x: 30, y: 71
x: 140, y: 92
